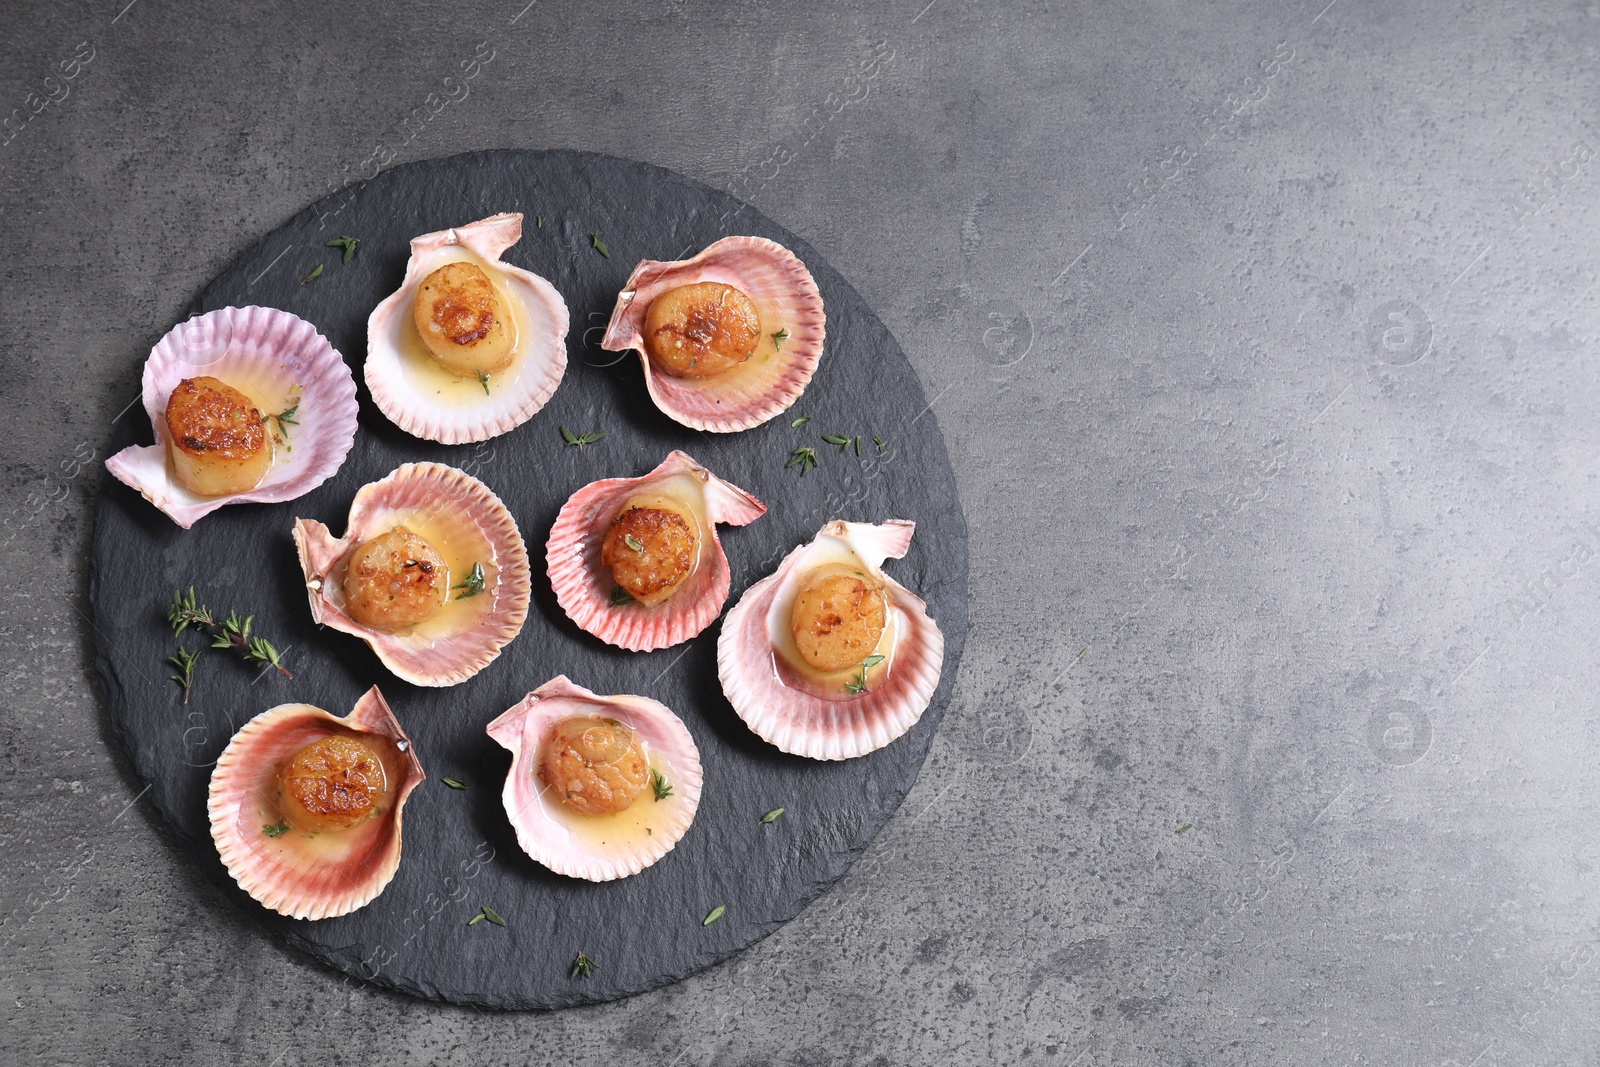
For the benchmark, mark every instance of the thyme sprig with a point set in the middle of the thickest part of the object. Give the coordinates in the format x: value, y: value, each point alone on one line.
x: 483, y: 380
x: 659, y: 783
x: 277, y: 829
x: 778, y: 338
x: 184, y: 661
x: 582, y: 967
x: 281, y: 421
x: 472, y: 584
x: 805, y: 457
x: 581, y: 439
x: 346, y: 243
x: 233, y: 632
x: 860, y: 683
x: 620, y: 596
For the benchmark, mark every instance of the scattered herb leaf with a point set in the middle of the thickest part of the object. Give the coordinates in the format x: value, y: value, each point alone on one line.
x: 599, y: 245
x: 860, y: 684
x: 633, y: 542
x: 184, y: 661
x: 858, y: 444
x: 233, y: 633
x: 801, y: 421
x: 620, y: 596
x: 714, y: 914
x: 1082, y: 651
x: 581, y: 439
x: 879, y: 442
x: 492, y: 915
x: 476, y: 919
x: 836, y: 439
x: 454, y: 783
x: 346, y: 243
x: 781, y: 336
x: 659, y: 784
x: 276, y: 829
x: 582, y: 967
x: 316, y: 272
x: 472, y: 584
x: 772, y: 816
x: 1185, y: 826
x: 805, y: 457
x: 483, y: 380
x: 285, y: 418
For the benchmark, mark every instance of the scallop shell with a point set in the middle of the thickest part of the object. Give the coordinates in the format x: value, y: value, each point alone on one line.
x: 301, y: 875
x: 800, y: 720
x: 425, y: 401
x: 785, y: 296
x: 261, y: 350
x: 541, y: 830
x: 583, y: 584
x: 466, y: 514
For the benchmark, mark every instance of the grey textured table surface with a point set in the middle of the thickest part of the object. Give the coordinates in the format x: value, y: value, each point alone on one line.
x: 1258, y: 335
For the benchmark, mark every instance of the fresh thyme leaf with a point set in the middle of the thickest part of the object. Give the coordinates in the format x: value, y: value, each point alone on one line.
x: 492, y: 915
x: 538, y: 222
x: 582, y: 967
x: 454, y: 783
x: 316, y: 272
x: 568, y: 436
x: 633, y: 542
x: 772, y: 816
x: 599, y: 245
x: 781, y: 336
x: 620, y: 596
x: 1185, y: 826
x: 184, y: 661
x: 472, y: 584
x: 872, y: 661
x: 1082, y: 651
x: 879, y: 442
x: 714, y: 914
x: 801, y: 421
x: 836, y: 439
x: 805, y: 457
x: 858, y: 444
x: 346, y: 243
x: 476, y: 919
x: 277, y: 829
x: 581, y: 439
x: 659, y: 784
x: 483, y: 380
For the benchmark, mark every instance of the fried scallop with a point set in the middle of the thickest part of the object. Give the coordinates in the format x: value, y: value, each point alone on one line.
x: 637, y: 562
x: 247, y: 405
x: 729, y: 338
x: 431, y: 573
x: 829, y: 657
x: 305, y: 806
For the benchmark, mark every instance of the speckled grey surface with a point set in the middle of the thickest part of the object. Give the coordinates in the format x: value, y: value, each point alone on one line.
x: 1287, y: 416
x: 460, y: 852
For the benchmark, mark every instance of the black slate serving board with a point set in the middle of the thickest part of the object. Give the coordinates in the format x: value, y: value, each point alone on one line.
x: 459, y: 850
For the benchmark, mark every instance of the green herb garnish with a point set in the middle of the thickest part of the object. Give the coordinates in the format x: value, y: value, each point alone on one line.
x: 836, y: 439
x: 879, y: 442
x: 582, y: 967
x: 472, y: 584
x: 346, y: 243
x: 1185, y: 826
x: 778, y: 338
x: 486, y: 912
x: 276, y: 829
x: 714, y: 914
x: 659, y: 784
x: 454, y: 783
x: 483, y: 380
x: 772, y: 816
x: 476, y: 919
x: 801, y: 421
x: 184, y: 661
x: 233, y: 633
x: 581, y: 439
x: 633, y: 542
x: 599, y: 245
x: 620, y: 596
x: 858, y: 444
x: 860, y: 684
x: 805, y: 457
x: 284, y: 419
x: 316, y: 272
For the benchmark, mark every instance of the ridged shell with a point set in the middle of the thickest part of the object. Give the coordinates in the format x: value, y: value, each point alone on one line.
x: 296, y: 874
x: 468, y: 514
x: 263, y: 349
x: 542, y: 833
x: 786, y: 297
x: 583, y: 584
x: 797, y: 720
x: 425, y: 401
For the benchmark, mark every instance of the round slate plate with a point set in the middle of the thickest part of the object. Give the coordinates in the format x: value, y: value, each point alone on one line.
x: 460, y: 851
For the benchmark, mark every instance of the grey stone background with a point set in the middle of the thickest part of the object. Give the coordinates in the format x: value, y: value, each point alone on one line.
x: 1258, y: 333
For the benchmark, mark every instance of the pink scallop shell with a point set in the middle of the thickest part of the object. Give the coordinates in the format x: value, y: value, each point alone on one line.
x: 509, y: 403
x: 231, y: 343
x: 583, y: 584
x: 801, y: 722
x: 245, y: 776
x: 769, y: 274
x: 448, y: 495
x: 540, y: 833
